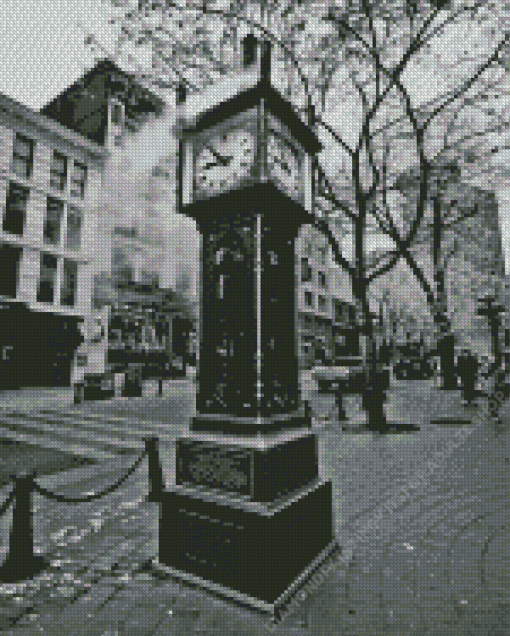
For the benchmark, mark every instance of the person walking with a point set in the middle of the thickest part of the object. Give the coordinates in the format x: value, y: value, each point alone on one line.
x: 467, y: 368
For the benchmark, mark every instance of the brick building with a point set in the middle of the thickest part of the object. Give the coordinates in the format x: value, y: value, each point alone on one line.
x: 49, y: 183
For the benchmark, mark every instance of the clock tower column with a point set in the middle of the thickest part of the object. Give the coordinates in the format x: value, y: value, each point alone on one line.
x: 249, y: 514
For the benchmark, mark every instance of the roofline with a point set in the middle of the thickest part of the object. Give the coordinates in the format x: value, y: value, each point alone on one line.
x: 10, y: 106
x: 105, y: 63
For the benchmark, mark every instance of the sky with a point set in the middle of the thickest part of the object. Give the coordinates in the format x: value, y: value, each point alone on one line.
x: 43, y: 52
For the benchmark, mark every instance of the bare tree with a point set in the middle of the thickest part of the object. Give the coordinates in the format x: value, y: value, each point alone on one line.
x: 349, y: 73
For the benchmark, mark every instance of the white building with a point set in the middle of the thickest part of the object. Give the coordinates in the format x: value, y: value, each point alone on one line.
x: 49, y: 183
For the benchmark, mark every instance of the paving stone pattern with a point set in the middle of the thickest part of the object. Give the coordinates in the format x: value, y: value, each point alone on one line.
x: 434, y: 562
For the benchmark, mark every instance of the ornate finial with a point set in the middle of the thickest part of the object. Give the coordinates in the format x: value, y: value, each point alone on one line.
x: 249, y: 48
x: 252, y: 49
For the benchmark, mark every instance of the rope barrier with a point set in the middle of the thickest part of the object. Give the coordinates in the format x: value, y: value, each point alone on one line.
x: 51, y: 495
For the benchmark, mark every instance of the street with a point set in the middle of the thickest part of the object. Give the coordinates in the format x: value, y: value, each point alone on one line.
x: 420, y: 515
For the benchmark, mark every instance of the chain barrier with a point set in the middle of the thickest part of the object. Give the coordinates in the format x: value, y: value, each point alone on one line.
x: 56, y: 497
x: 21, y: 562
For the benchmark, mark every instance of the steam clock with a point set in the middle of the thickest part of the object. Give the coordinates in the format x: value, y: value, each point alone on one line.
x: 249, y: 513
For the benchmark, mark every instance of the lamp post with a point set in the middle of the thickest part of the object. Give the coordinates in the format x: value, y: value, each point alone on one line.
x: 488, y: 307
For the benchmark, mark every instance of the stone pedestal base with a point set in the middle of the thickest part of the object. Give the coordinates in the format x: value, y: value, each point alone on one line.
x: 250, y: 548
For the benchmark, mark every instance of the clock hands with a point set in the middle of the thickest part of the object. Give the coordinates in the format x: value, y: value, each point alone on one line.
x: 220, y: 160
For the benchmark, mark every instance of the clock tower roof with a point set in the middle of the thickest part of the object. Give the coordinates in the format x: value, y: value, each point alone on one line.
x: 246, y: 99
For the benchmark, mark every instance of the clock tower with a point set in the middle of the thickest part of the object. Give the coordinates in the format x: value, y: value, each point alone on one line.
x: 249, y: 513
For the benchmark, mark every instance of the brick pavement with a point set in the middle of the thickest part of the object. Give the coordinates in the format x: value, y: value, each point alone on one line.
x: 432, y: 564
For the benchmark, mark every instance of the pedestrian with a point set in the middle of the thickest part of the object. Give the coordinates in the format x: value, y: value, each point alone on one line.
x: 467, y: 368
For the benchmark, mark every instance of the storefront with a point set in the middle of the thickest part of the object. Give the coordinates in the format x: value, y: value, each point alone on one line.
x: 36, y: 348
x: 49, y: 344
x: 13, y: 316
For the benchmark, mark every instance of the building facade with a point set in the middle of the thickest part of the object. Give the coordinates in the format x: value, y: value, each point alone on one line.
x: 326, y: 312
x: 49, y: 183
x: 148, y: 327
x: 107, y: 105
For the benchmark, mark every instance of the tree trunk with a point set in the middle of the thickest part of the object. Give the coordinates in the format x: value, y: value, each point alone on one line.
x: 446, y: 339
x: 373, y: 394
x: 446, y: 351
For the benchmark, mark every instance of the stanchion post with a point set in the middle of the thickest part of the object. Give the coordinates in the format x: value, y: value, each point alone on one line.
x: 308, y: 413
x: 21, y: 563
x: 155, y: 470
x: 339, y: 398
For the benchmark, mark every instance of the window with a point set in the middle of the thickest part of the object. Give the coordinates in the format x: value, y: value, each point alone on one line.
x: 15, y: 209
x: 9, y: 263
x: 46, y: 290
x: 322, y: 303
x: 73, y: 238
x: 69, y: 283
x: 78, y: 180
x: 306, y: 271
x: 58, y: 171
x: 339, y: 311
x: 116, y: 113
x: 23, y: 156
x: 308, y: 299
x: 322, y: 251
x: 53, y: 221
x: 322, y: 279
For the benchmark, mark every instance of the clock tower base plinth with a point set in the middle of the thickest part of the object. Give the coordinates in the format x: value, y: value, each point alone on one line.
x: 250, y: 514
x: 231, y: 425
x: 259, y: 554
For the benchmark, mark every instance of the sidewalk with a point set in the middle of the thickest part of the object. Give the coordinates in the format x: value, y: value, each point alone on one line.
x: 62, y: 397
x: 415, y: 402
x: 421, y: 518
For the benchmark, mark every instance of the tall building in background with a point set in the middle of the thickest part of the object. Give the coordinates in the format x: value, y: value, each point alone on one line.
x: 50, y: 178
x: 106, y: 105
x: 326, y: 312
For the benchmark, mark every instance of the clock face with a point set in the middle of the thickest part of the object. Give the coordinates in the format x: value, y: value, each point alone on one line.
x: 284, y: 163
x: 224, y: 160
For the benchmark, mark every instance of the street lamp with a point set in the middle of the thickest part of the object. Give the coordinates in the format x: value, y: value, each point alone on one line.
x: 488, y: 307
